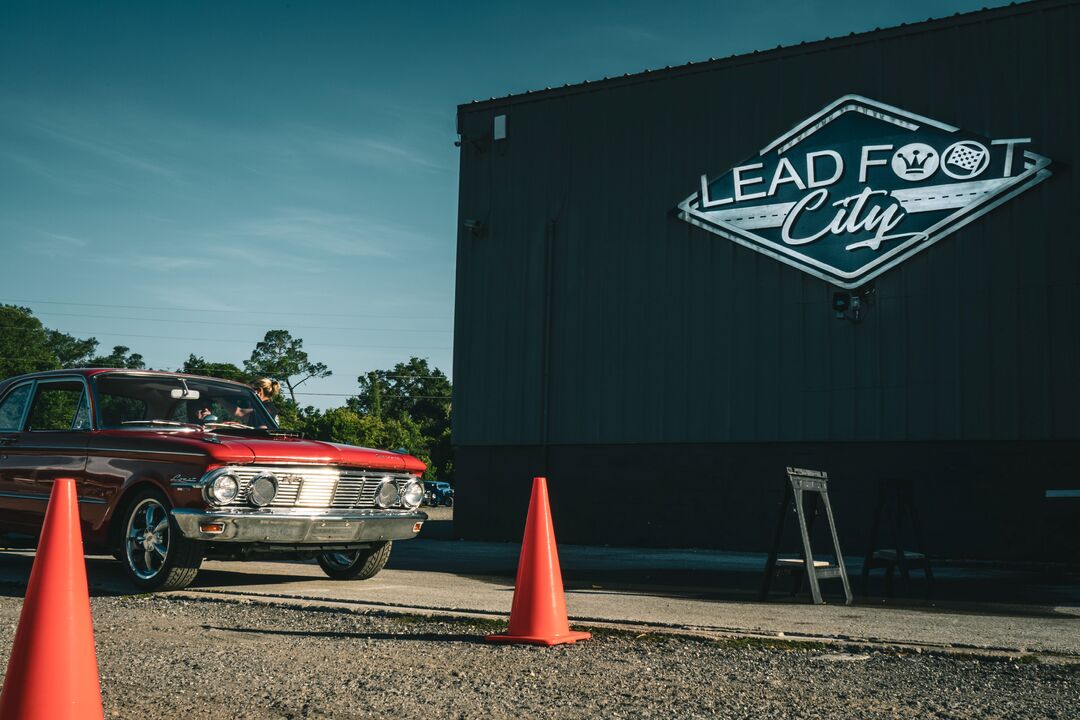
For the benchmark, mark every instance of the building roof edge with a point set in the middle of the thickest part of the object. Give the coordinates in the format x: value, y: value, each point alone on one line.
x: 780, y: 51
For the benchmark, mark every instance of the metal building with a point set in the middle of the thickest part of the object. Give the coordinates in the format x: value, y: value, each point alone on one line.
x: 625, y: 327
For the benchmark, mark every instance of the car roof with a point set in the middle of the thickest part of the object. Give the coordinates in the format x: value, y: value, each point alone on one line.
x: 93, y: 371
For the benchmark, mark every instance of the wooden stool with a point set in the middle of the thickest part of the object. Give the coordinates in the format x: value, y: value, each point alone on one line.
x: 895, y: 556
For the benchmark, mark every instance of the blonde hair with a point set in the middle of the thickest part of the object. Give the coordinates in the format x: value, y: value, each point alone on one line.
x: 270, y: 388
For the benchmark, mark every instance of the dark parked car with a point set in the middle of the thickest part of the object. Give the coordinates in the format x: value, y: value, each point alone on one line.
x: 438, y: 493
x: 172, y: 468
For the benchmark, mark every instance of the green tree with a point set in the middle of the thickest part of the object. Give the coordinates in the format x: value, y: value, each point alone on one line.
x: 121, y: 357
x: 304, y: 420
x: 343, y: 425
x: 196, y: 365
x: 70, y: 351
x: 24, y: 343
x: 412, y: 391
x: 281, y: 356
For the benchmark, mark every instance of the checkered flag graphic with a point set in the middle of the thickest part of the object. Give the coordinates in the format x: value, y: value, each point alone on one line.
x: 966, y: 157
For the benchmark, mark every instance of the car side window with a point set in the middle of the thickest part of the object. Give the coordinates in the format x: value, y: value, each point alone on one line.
x: 11, y: 410
x: 82, y: 414
x: 59, y: 406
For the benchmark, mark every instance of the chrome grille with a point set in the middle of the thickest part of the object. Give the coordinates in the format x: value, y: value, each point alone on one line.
x: 330, y: 488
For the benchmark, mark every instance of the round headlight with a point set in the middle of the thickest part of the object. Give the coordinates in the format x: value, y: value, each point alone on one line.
x: 387, y: 493
x: 263, y: 489
x: 412, y: 494
x: 223, y: 489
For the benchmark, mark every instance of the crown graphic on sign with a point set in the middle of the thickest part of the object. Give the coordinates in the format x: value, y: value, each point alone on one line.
x: 914, y: 163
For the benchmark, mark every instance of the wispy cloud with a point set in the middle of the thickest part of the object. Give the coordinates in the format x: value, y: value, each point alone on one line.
x: 368, y: 150
x: 188, y: 299
x: 264, y: 258
x: 54, y: 247
x: 309, y: 232
x: 59, y: 174
x: 34, y: 166
x: 37, y: 241
x: 60, y: 240
x: 126, y: 138
x: 157, y: 263
x: 107, y: 149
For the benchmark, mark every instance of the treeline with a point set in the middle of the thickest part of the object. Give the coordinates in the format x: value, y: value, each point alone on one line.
x: 403, y: 407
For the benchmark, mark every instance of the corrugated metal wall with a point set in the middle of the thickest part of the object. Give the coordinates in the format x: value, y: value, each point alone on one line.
x: 663, y: 333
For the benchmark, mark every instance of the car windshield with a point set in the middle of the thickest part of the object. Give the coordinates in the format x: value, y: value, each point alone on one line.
x: 131, y: 401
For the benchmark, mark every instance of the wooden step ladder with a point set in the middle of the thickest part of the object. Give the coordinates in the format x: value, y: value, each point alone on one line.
x: 815, y: 484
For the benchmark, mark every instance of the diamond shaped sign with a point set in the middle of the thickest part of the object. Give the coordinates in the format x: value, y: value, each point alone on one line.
x: 860, y: 187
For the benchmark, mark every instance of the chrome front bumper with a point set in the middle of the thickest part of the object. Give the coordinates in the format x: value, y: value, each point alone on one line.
x: 297, y: 527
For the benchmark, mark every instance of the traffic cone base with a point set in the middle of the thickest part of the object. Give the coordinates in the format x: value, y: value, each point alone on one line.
x: 538, y: 612
x: 571, y: 636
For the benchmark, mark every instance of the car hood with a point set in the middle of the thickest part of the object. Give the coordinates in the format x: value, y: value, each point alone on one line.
x: 296, y: 450
x: 232, y: 449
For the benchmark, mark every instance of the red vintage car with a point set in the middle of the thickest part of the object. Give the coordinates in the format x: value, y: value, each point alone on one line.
x: 171, y: 469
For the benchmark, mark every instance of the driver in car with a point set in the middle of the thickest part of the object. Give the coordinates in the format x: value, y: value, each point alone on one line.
x: 233, y: 412
x: 228, y: 411
x: 203, y: 411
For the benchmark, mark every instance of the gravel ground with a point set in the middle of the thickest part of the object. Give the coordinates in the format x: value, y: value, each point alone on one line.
x: 166, y: 657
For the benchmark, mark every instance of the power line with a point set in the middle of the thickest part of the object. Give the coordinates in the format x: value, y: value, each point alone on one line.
x: 412, y: 397
x: 147, y: 362
x: 233, y: 340
x: 219, y: 322
x: 118, y: 367
x: 231, y: 311
x: 318, y: 394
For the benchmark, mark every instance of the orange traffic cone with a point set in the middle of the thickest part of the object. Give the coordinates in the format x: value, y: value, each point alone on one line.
x: 53, y: 669
x: 538, y: 613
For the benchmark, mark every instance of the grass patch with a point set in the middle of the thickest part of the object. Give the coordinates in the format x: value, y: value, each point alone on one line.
x: 763, y: 643
x: 483, y: 624
x: 634, y: 635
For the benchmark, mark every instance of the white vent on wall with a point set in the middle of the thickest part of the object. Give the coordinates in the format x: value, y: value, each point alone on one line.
x: 499, y: 130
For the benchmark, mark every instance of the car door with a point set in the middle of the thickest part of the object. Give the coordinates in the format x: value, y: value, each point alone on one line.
x: 16, y: 511
x: 51, y: 444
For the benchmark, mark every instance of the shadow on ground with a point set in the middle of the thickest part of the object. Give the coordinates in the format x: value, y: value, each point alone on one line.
x: 336, y: 635
x: 687, y: 573
x: 106, y: 577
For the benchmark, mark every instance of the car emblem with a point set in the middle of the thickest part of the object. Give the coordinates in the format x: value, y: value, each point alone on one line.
x: 861, y: 186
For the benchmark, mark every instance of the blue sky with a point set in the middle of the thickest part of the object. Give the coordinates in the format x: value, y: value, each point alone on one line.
x: 181, y: 177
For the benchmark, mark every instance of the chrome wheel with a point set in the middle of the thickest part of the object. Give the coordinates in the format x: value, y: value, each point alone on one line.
x: 356, y: 564
x: 147, y: 538
x: 342, y: 560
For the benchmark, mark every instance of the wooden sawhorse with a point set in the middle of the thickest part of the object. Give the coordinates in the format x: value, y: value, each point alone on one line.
x: 802, y: 482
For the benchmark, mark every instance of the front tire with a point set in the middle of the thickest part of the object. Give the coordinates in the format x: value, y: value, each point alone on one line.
x: 156, y: 555
x: 356, y: 565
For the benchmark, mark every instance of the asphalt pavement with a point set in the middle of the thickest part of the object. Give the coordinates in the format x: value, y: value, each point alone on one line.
x: 980, y: 608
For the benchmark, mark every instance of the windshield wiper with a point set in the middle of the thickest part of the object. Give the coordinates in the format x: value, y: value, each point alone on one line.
x: 241, y: 430
x: 168, y: 423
